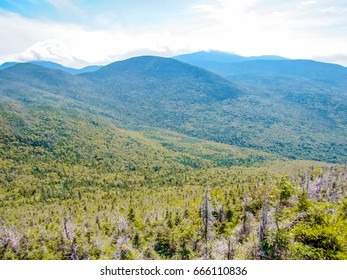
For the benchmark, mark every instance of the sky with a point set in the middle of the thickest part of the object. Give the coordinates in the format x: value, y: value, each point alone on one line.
x: 78, y: 33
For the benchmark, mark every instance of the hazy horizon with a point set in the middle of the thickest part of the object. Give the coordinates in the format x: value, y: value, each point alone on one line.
x: 77, y: 33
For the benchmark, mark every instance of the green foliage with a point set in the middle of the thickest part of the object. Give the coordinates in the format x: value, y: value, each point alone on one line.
x: 165, y: 244
x: 285, y: 189
x: 303, y: 202
x: 319, y: 236
x: 75, y: 186
x: 166, y: 223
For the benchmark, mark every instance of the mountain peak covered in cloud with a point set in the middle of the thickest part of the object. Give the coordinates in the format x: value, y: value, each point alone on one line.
x: 52, y: 49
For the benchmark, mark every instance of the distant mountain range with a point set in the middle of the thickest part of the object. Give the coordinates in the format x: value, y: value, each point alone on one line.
x: 282, y: 108
x: 233, y: 65
x: 240, y: 68
x: 221, y: 57
x: 53, y: 65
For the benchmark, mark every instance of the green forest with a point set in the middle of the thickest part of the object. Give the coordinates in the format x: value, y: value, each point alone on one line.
x: 76, y: 187
x: 196, y: 168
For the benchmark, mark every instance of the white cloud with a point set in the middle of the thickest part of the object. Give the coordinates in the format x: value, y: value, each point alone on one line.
x: 77, y: 46
x: 337, y: 58
x: 18, y: 33
x: 309, y: 2
x: 254, y: 27
x: 51, y: 49
x: 247, y: 27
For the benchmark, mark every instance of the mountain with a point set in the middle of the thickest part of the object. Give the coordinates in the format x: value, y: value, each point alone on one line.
x: 209, y: 59
x: 235, y: 67
x: 163, y: 78
x: 164, y: 93
x: 160, y: 92
x: 28, y: 80
x: 53, y: 65
x: 301, y: 87
x: 222, y: 57
x: 323, y: 73
x: 154, y: 81
x: 7, y: 64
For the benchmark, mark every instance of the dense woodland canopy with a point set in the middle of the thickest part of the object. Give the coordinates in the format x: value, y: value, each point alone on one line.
x: 156, y: 159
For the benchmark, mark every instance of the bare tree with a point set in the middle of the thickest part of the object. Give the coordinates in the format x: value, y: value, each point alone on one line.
x: 207, y: 219
x: 262, y: 229
x: 72, y: 253
x: 206, y: 214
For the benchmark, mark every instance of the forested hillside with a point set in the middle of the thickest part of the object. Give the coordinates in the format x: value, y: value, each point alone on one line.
x: 152, y: 158
x: 289, y: 117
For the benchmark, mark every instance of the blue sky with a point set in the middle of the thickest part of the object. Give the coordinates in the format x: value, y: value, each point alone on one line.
x: 82, y: 32
x: 87, y: 12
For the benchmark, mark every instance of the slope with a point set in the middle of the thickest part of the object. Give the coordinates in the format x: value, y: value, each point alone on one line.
x: 49, y: 132
x: 164, y: 93
x: 159, y: 92
x: 306, y: 125
x: 323, y: 73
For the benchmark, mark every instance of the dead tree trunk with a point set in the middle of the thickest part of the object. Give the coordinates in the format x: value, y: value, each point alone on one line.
x: 262, y: 230
x: 207, y: 220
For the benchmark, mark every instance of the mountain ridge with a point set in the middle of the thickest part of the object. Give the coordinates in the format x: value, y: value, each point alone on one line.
x: 53, y: 65
x: 222, y: 57
x: 328, y: 73
x: 166, y: 93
